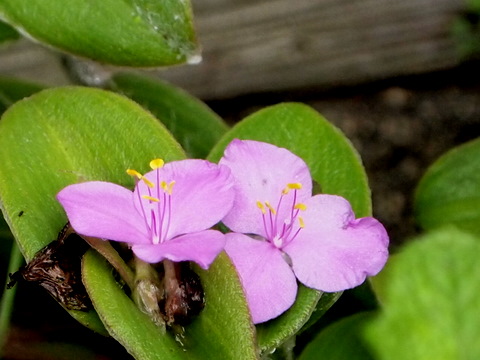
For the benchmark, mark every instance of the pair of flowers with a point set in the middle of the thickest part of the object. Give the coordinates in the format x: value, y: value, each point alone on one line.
x: 263, y: 194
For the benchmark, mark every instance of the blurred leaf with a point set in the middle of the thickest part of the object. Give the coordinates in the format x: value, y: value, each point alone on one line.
x: 195, y: 126
x: 67, y: 135
x: 13, y: 90
x: 7, y: 33
x: 430, y: 300
x: 129, y: 32
x: 340, y: 341
x: 449, y: 192
x: 334, y: 164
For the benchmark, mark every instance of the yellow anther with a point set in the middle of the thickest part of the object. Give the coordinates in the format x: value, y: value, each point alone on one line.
x: 294, y: 186
x: 151, y: 198
x: 301, y: 222
x: 291, y: 186
x: 170, y: 187
x: 148, y: 182
x: 135, y: 173
x: 299, y: 206
x: 261, y: 207
x: 156, y: 163
x: 267, y: 204
x: 164, y: 186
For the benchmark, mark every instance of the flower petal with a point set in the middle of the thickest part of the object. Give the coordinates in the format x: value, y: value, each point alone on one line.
x: 201, y: 247
x: 268, y: 281
x: 201, y: 196
x: 335, y: 251
x: 261, y: 172
x: 103, y: 210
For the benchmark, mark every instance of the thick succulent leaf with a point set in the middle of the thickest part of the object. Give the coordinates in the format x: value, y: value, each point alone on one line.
x: 218, y: 333
x: 129, y: 32
x: 334, y: 164
x: 195, y: 126
x: 7, y: 33
x: 449, y: 192
x: 341, y: 340
x: 62, y: 136
x: 66, y: 135
x: 72, y: 134
x: 12, y: 90
x: 430, y: 300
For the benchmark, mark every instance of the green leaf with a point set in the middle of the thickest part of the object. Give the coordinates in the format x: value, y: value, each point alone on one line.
x: 449, y: 191
x: 123, y: 320
x: 430, y: 303
x: 7, y: 33
x: 340, y: 341
x: 12, y: 90
x: 333, y: 163
x: 221, y: 330
x: 128, y: 32
x: 195, y: 126
x: 67, y: 135
x: 62, y: 136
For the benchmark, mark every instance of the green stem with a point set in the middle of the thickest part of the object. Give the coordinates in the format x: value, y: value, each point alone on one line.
x: 6, y: 304
x: 148, y: 292
x: 108, y: 252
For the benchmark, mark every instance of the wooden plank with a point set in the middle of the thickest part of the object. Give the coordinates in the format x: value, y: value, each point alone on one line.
x: 26, y: 60
x: 270, y: 45
x: 284, y: 44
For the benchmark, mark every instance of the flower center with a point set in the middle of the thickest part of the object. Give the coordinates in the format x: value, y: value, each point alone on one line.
x: 155, y: 202
x: 280, y: 224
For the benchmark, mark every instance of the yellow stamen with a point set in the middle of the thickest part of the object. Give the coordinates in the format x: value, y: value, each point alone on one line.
x: 170, y: 187
x: 151, y: 198
x: 300, y: 206
x: 267, y: 204
x: 164, y: 186
x: 156, y: 163
x: 148, y: 182
x: 135, y: 173
x: 261, y: 207
x: 295, y: 186
x: 302, y: 223
x: 291, y: 186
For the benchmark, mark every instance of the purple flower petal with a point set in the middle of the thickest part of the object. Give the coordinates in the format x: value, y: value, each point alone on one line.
x: 201, y: 247
x: 269, y: 283
x: 201, y: 195
x: 103, y: 210
x: 261, y: 172
x: 335, y: 251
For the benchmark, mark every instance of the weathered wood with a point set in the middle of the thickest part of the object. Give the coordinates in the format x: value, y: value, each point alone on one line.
x: 270, y: 45
x: 285, y: 44
x: 28, y: 61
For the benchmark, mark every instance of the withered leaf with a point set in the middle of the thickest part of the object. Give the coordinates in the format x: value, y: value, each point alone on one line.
x: 57, y: 268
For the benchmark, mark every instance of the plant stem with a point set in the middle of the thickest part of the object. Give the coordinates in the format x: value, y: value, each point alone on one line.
x: 108, y: 252
x: 6, y: 304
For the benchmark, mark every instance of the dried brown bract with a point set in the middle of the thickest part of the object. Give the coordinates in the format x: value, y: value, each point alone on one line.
x: 57, y: 268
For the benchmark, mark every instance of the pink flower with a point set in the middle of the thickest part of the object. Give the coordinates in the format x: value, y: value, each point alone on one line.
x: 165, y: 217
x: 292, y: 234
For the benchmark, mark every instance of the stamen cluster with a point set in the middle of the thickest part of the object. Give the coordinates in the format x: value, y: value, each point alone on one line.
x: 157, y: 208
x: 280, y: 232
